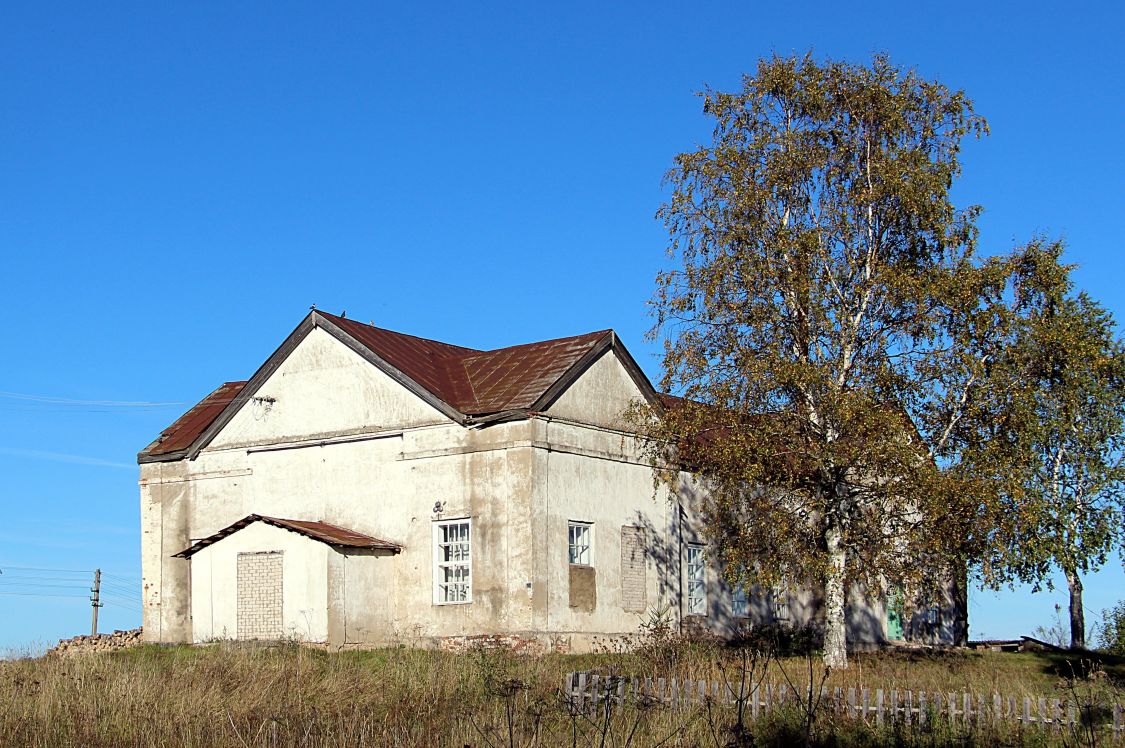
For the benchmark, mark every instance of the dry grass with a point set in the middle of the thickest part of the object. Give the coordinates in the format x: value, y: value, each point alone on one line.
x: 226, y: 695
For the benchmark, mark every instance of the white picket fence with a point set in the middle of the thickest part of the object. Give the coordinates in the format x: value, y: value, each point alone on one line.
x: 589, y: 691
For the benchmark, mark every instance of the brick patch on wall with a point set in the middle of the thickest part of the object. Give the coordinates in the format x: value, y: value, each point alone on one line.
x: 513, y: 642
x: 634, y: 595
x: 259, y: 595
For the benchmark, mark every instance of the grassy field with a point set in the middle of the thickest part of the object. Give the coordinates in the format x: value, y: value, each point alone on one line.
x: 286, y: 695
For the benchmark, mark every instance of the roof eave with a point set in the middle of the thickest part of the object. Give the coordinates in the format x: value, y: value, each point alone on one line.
x: 144, y: 458
x: 250, y: 519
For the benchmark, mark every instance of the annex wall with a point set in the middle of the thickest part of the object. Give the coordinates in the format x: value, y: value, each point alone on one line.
x: 215, y: 581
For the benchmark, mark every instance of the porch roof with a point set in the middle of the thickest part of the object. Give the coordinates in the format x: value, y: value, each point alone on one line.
x: 324, y: 532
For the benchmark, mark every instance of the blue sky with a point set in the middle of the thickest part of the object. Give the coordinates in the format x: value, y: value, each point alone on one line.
x: 178, y: 183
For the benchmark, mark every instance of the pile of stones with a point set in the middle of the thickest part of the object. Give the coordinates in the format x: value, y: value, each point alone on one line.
x: 91, y: 643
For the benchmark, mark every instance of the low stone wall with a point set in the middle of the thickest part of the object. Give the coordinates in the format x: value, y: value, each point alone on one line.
x: 90, y: 644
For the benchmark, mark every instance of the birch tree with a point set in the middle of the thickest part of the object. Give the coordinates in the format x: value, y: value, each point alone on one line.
x: 831, y: 330
x: 1068, y: 368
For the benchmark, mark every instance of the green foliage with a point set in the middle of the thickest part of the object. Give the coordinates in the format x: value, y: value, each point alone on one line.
x: 833, y: 332
x: 1066, y: 427
x: 1111, y: 632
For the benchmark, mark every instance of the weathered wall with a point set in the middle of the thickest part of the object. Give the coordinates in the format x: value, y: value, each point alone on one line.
x: 324, y: 388
x: 304, y: 584
x: 600, y: 396
x: 334, y: 439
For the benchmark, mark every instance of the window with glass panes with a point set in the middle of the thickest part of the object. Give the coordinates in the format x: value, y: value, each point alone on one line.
x: 779, y: 596
x: 453, y: 561
x: 740, y: 604
x: 578, y: 542
x: 696, y: 582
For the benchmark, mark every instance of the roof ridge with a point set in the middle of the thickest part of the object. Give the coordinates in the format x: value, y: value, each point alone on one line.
x: 337, y: 319
x: 599, y: 333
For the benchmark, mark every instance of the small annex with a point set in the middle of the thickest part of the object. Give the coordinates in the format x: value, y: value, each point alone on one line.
x: 365, y: 487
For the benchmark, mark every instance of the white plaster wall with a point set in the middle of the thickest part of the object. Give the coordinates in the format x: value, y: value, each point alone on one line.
x: 600, y: 396
x: 609, y: 494
x: 370, y: 598
x: 324, y: 387
x: 304, y: 583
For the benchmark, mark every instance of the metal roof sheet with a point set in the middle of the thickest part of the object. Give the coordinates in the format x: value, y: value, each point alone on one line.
x: 187, y: 427
x: 333, y: 535
x: 470, y: 382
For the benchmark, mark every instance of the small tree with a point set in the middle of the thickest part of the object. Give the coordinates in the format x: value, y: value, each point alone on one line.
x: 1068, y: 369
x: 831, y: 330
x: 1111, y: 632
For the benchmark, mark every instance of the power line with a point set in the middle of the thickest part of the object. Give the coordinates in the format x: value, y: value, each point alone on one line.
x: 6, y: 583
x: 36, y: 578
x: 51, y: 400
x: 123, y: 606
x: 4, y: 567
x: 122, y: 578
x: 43, y: 594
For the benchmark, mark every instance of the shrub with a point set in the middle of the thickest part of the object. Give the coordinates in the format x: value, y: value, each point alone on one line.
x: 1111, y: 632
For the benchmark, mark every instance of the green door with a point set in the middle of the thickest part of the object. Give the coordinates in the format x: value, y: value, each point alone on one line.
x: 894, y: 616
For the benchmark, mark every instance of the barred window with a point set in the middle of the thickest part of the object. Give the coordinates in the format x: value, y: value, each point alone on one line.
x: 453, y: 562
x: 696, y: 581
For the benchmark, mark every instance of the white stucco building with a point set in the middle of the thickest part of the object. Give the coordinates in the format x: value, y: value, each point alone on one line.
x: 366, y: 487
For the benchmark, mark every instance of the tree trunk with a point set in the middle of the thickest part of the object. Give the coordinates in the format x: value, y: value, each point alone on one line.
x: 835, y: 626
x: 1077, y: 616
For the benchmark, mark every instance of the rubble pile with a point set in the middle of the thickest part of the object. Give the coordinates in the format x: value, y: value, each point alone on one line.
x: 92, y: 643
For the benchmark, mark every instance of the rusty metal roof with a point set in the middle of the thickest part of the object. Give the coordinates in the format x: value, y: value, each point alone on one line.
x: 465, y: 383
x: 333, y: 535
x: 187, y: 427
x: 475, y: 382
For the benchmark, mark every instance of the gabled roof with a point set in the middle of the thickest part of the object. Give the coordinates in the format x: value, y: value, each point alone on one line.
x: 471, y: 381
x: 469, y: 386
x: 190, y: 425
x: 333, y: 535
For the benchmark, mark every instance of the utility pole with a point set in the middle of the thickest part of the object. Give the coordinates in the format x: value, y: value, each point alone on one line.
x: 95, y: 600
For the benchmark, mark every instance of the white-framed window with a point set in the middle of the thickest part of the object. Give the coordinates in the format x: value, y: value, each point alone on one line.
x: 779, y: 598
x: 579, y: 541
x: 453, y: 568
x: 740, y: 602
x: 696, y: 581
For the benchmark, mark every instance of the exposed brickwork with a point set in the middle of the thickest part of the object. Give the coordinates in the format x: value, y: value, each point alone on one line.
x: 513, y: 642
x: 259, y: 596
x: 634, y: 592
